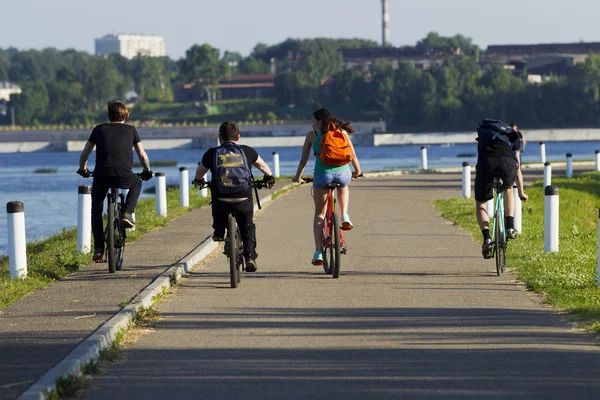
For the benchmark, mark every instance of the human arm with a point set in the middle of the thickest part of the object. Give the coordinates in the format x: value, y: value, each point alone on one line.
x: 520, y: 186
x: 143, y: 157
x: 85, y: 154
x: 200, y: 172
x: 306, y: 148
x: 355, y: 164
x: 263, y: 166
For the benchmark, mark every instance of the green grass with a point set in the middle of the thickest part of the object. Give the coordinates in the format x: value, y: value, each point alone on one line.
x: 56, y: 257
x: 567, y: 279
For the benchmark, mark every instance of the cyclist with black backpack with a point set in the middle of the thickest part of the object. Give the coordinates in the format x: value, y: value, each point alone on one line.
x: 496, y: 157
x: 231, y: 185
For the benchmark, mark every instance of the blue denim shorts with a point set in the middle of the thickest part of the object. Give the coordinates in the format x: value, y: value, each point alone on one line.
x: 343, y: 178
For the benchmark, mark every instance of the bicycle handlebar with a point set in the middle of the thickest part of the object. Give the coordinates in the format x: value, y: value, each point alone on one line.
x: 255, y: 184
x: 144, y: 175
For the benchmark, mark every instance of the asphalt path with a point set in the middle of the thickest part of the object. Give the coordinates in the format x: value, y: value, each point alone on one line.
x: 416, y: 313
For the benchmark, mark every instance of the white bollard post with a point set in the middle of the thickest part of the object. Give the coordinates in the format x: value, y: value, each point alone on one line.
x: 466, y: 180
x: 161, y: 194
x: 569, y: 173
x: 489, y: 207
x: 597, y: 160
x: 17, y: 243
x: 84, y: 219
x: 275, y: 164
x: 518, y: 210
x: 184, y: 188
x: 423, y: 157
x: 543, y: 152
x: 547, y: 174
x: 551, y: 219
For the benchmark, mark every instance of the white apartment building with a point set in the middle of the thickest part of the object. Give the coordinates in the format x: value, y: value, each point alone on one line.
x: 8, y: 88
x: 129, y: 45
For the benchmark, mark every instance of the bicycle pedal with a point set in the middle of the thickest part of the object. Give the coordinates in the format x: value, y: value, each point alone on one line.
x: 102, y: 260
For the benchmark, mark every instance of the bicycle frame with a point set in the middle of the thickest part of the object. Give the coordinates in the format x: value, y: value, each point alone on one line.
x: 499, y: 206
x: 329, y: 225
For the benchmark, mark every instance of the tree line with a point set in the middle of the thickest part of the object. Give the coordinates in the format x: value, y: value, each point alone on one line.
x: 73, y: 87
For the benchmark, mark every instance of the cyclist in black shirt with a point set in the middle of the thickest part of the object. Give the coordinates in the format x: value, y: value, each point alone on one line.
x: 229, y: 199
x: 496, y: 156
x: 114, y: 163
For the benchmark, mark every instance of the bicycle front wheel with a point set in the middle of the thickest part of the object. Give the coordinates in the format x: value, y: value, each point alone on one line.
x: 120, y: 244
x: 232, y: 251
x: 111, y: 254
x: 498, y: 245
x: 336, y: 245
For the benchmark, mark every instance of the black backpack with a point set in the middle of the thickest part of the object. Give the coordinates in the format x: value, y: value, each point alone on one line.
x: 493, y: 131
x: 231, y: 169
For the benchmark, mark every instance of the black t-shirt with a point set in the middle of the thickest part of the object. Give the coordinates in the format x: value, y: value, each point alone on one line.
x: 500, y: 148
x: 208, y: 160
x: 114, y: 143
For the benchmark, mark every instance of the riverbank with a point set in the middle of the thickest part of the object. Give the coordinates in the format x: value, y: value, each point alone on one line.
x: 260, y: 136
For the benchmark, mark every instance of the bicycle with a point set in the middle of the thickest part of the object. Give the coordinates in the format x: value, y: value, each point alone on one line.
x: 115, y: 233
x: 234, y: 247
x: 499, y: 238
x: 334, y: 244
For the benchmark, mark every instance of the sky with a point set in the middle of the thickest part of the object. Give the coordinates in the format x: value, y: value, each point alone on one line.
x: 238, y: 25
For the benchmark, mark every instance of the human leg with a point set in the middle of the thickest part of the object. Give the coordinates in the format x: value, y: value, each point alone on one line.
x: 320, y: 200
x: 219, y: 213
x: 99, y: 190
x: 244, y: 213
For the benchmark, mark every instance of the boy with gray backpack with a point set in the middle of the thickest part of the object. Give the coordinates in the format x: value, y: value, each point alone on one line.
x: 231, y: 185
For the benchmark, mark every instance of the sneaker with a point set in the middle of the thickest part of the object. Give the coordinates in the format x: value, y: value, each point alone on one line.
x: 98, y: 255
x: 346, y: 223
x: 512, y: 233
x: 317, y: 258
x: 218, y: 237
x: 487, y: 250
x: 127, y: 220
x: 250, y: 264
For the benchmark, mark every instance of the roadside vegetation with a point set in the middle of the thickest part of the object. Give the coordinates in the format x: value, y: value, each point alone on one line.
x: 56, y: 257
x: 567, y: 279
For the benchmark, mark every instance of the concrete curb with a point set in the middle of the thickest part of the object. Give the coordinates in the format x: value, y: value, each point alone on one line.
x: 89, y: 349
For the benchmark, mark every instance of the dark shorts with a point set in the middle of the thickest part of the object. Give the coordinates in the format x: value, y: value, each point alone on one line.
x: 487, y: 168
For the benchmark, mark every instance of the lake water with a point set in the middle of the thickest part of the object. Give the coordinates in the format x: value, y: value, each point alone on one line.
x: 51, y: 199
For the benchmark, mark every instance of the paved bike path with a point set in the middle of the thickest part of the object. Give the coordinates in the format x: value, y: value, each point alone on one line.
x: 42, y: 328
x: 416, y: 313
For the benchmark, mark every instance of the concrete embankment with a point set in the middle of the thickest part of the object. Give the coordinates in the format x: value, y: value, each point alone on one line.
x: 285, y: 135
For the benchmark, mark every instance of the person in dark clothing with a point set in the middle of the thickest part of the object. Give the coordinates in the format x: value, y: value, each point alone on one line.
x: 496, y: 157
x: 114, y: 163
x: 230, y: 165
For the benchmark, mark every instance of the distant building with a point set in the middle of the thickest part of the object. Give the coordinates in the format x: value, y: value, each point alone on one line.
x: 524, y: 51
x: 8, y: 88
x: 130, y: 46
x: 252, y: 86
x: 363, y: 58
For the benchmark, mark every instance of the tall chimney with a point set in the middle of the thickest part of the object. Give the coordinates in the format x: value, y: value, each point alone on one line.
x: 385, y: 23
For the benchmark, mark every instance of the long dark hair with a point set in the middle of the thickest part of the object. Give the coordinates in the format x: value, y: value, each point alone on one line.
x: 344, y: 125
x: 324, y: 116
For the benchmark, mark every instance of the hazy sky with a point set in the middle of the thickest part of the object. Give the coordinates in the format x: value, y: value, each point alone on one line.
x: 237, y: 25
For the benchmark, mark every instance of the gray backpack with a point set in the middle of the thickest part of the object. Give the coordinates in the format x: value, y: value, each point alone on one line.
x: 232, y: 174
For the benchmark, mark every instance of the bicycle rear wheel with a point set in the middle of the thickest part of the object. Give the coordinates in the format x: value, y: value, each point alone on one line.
x: 498, y: 245
x: 240, y: 264
x: 111, y: 225
x: 327, y: 254
x: 336, y: 245
x: 232, y: 251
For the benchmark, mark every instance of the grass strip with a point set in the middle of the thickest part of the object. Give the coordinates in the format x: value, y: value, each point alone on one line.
x: 56, y: 257
x: 567, y: 278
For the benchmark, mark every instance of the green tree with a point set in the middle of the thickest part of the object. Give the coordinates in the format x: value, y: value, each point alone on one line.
x: 203, y: 66
x: 31, y: 104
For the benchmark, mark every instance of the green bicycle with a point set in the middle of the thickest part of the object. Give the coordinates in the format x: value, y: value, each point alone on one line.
x: 499, y: 239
